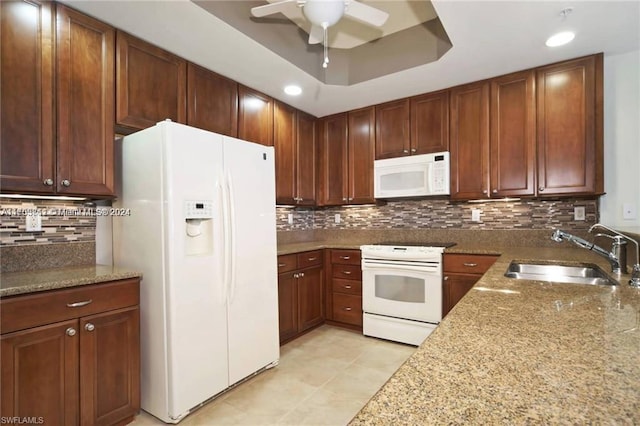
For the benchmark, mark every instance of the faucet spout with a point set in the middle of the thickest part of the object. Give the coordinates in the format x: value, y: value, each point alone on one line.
x: 559, y: 236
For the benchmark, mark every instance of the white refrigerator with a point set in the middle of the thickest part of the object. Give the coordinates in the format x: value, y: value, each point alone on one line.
x: 202, y: 231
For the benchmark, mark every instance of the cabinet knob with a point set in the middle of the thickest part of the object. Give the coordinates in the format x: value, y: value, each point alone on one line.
x: 301, y: 274
x: 71, y: 331
x: 66, y: 182
x: 89, y: 327
x: 484, y: 191
x: 495, y: 191
x: 541, y: 188
x: 446, y: 278
x: 296, y: 275
x: 347, y: 308
x: 344, y: 199
x: 413, y: 150
x: 48, y: 182
x: 350, y: 198
x: 406, y: 151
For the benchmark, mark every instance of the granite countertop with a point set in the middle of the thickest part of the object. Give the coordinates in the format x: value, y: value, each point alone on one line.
x: 15, y: 283
x: 523, y: 352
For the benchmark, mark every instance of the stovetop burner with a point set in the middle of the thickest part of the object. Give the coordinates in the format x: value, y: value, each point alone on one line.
x: 415, y: 244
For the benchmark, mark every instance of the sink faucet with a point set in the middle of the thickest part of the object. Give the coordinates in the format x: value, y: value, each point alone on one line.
x: 617, y: 257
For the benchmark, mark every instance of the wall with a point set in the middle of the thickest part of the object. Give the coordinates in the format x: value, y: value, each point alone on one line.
x: 621, y: 138
x: 444, y: 214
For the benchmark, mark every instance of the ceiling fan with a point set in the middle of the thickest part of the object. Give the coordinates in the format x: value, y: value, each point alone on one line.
x: 324, y: 13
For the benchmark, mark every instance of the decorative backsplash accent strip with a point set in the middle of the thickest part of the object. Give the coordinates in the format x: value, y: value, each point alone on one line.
x: 62, y: 222
x: 445, y: 214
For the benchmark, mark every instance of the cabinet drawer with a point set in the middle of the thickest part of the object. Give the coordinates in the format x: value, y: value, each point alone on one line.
x: 309, y: 258
x: 347, y: 308
x: 20, y: 312
x: 468, y: 263
x: 287, y: 262
x: 347, y: 286
x: 347, y: 257
x: 350, y: 272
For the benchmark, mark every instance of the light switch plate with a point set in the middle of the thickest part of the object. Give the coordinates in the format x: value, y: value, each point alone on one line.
x: 475, y: 215
x: 337, y: 218
x: 290, y: 218
x: 579, y: 213
x: 629, y: 211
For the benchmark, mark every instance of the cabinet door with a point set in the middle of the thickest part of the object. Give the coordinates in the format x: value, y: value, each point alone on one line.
x: 569, y: 156
x: 151, y: 84
x: 39, y: 373
x: 26, y: 96
x: 306, y: 159
x: 212, y: 101
x: 469, y: 142
x: 110, y: 366
x: 284, y: 143
x: 392, y: 129
x: 334, y: 160
x: 362, y: 144
x: 287, y: 306
x: 430, y: 123
x: 255, y: 119
x: 311, y: 306
x: 455, y: 287
x: 512, y: 146
x: 85, y: 104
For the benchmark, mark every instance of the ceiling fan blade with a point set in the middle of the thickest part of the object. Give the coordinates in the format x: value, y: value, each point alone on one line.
x: 271, y: 8
x: 316, y: 34
x: 365, y: 13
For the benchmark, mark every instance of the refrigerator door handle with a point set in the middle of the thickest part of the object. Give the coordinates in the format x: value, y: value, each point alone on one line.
x: 232, y: 235
x: 226, y: 222
x: 222, y: 198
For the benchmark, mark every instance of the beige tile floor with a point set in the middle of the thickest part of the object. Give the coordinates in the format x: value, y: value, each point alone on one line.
x: 324, y: 378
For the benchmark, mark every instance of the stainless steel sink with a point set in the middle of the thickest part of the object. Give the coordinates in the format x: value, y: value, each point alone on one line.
x: 582, y: 274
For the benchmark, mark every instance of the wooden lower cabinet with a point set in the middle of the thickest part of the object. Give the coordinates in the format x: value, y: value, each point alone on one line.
x: 344, y: 288
x: 300, y: 293
x: 461, y: 272
x: 83, y: 369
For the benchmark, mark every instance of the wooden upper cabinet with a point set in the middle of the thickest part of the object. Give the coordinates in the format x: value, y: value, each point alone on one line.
x: 85, y: 95
x: 306, y: 159
x: 27, y: 123
x: 255, y: 116
x: 513, y: 132
x: 430, y: 123
x: 569, y: 127
x: 284, y: 138
x: 469, y: 141
x: 151, y: 84
x: 361, y: 139
x: 212, y: 101
x: 392, y: 129
x: 334, y: 160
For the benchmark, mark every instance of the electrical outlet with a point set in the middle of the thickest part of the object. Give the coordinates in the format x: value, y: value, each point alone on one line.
x: 579, y: 213
x: 33, y: 222
x: 475, y: 215
x: 290, y: 218
x: 629, y: 211
x: 337, y: 218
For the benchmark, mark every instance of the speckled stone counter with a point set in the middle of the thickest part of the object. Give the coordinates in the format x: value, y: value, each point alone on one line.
x: 523, y: 352
x: 14, y: 283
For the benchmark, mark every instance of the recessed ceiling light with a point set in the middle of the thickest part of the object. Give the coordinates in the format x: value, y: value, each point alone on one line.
x: 293, y: 90
x: 560, y: 39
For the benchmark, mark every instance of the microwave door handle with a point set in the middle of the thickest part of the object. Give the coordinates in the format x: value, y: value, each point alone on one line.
x: 429, y: 177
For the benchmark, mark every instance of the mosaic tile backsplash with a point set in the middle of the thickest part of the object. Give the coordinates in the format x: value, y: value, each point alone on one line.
x: 444, y: 214
x: 62, y: 222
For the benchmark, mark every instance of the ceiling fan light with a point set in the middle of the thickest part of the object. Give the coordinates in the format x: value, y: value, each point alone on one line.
x: 560, y: 39
x: 323, y: 12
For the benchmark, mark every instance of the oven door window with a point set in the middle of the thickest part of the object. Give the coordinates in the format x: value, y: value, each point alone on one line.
x: 400, y: 288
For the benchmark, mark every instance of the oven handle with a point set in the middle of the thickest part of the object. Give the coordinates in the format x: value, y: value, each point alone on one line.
x: 400, y: 266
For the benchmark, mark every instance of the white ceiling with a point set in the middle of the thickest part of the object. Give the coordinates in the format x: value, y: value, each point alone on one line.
x: 489, y: 38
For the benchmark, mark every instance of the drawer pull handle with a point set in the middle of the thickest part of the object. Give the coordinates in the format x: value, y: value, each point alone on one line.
x: 71, y: 331
x: 311, y: 259
x: 345, y: 257
x: 280, y: 265
x: 347, y: 286
x: 346, y: 272
x: 347, y: 308
x: 471, y: 265
x: 89, y: 327
x: 79, y: 304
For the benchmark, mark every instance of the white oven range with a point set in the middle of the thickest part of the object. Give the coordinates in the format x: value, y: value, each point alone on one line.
x: 402, y: 290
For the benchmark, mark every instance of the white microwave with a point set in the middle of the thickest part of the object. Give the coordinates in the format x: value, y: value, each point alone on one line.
x: 412, y: 176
